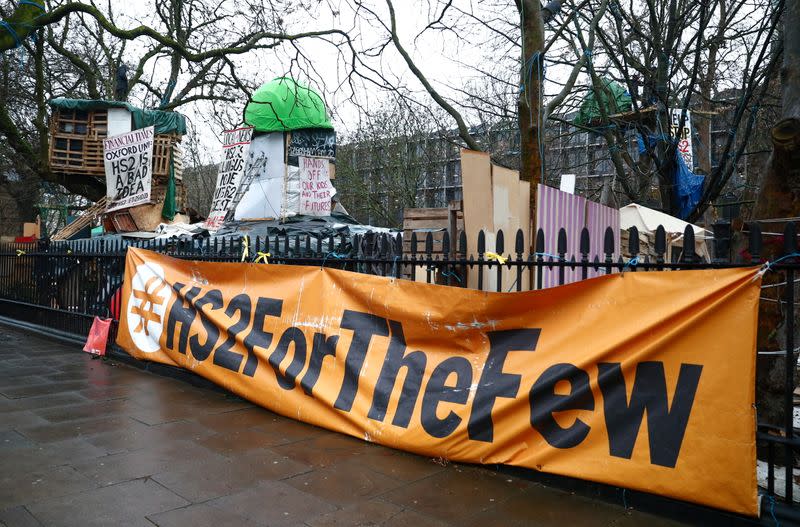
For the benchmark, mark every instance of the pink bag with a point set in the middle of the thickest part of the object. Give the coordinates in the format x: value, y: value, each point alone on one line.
x: 98, y: 335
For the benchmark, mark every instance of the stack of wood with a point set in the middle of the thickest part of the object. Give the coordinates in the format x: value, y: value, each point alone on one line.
x: 436, y: 221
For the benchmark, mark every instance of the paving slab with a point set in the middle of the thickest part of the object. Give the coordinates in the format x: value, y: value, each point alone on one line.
x: 92, y: 442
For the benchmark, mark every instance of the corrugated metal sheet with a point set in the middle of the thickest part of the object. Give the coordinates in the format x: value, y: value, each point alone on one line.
x: 556, y: 210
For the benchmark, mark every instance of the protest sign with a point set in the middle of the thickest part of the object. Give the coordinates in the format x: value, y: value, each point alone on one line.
x: 316, y: 189
x: 683, y: 135
x: 235, y: 146
x: 128, y: 160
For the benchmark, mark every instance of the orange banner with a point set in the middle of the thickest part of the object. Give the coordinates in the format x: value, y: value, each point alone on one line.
x: 644, y: 380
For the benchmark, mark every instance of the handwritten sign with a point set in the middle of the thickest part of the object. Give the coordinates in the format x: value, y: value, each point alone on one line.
x: 311, y: 142
x: 235, y: 146
x: 316, y: 190
x: 683, y: 135
x: 128, y: 160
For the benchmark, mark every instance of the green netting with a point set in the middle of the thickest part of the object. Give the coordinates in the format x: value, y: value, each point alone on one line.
x: 21, y: 23
x: 163, y: 122
x: 614, y: 98
x: 283, y: 104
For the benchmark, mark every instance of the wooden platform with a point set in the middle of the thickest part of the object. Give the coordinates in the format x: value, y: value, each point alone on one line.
x: 76, y: 145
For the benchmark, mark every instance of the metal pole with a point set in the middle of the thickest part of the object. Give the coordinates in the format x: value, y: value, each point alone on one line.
x: 791, y: 364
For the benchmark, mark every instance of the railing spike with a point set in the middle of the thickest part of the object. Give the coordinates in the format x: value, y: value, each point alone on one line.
x: 633, y: 241
x: 561, y: 245
x: 539, y: 247
x: 790, y: 238
x: 661, y: 243
x: 688, y: 245
x: 586, y: 243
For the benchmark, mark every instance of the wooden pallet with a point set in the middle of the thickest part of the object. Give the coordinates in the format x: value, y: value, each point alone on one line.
x: 76, y: 145
x: 85, y: 219
x: 422, y: 221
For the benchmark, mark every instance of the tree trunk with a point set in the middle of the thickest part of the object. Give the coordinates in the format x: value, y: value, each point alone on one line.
x: 779, y: 197
x: 531, y: 129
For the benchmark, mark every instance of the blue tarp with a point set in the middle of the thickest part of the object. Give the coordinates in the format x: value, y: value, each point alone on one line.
x: 688, y: 186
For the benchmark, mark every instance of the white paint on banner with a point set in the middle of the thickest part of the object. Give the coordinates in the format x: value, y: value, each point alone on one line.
x: 128, y: 160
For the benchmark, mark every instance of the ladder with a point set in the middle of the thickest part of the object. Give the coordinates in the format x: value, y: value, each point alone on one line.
x: 244, y: 185
x: 84, y: 220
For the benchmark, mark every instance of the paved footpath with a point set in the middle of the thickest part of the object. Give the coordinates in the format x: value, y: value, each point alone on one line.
x: 90, y: 443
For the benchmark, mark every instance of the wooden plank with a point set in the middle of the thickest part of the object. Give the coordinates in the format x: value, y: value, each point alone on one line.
x: 505, y: 204
x: 425, y: 224
x: 476, y: 179
x: 524, y: 208
x: 453, y: 209
x: 426, y: 213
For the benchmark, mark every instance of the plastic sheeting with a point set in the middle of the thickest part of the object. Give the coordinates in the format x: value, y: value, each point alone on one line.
x: 263, y: 199
x: 688, y: 186
x: 163, y: 122
x: 283, y: 104
x: 620, y: 101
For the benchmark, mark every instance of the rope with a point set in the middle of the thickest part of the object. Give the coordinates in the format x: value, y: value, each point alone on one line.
x: 452, y: 275
x: 771, y: 500
x: 555, y: 256
x: 633, y: 262
x: 768, y: 265
x: 333, y: 254
x: 34, y: 4
x: 10, y: 29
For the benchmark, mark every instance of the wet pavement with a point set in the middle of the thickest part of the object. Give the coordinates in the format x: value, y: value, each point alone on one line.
x: 91, y: 443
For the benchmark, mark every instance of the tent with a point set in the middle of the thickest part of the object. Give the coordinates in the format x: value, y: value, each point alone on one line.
x: 647, y: 221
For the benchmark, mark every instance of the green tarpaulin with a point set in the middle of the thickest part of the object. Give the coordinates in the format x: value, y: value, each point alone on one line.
x: 170, y: 207
x: 283, y: 104
x: 614, y: 98
x: 164, y: 122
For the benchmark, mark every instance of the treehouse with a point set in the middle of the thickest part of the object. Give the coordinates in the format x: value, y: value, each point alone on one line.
x: 77, y: 130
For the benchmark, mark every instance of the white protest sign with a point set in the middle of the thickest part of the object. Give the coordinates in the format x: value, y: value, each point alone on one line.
x: 568, y: 183
x: 684, y: 135
x: 316, y: 190
x: 235, y: 145
x: 128, y: 160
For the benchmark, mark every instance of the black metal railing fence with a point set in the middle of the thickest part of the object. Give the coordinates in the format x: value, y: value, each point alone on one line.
x: 62, y: 286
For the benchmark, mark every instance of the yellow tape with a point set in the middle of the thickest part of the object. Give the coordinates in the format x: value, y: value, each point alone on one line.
x: 494, y: 256
x: 245, y: 247
x: 20, y: 252
x: 262, y: 256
